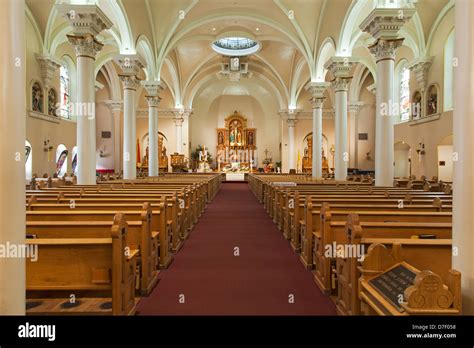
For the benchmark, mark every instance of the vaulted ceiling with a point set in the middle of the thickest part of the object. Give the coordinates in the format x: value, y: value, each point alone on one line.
x: 298, y: 36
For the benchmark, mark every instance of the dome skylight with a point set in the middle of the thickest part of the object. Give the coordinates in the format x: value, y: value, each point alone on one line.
x: 235, y: 46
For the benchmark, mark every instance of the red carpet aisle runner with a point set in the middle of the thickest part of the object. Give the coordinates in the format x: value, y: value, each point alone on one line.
x: 215, y: 282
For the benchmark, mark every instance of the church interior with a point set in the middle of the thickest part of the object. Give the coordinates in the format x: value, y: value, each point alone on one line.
x: 237, y: 157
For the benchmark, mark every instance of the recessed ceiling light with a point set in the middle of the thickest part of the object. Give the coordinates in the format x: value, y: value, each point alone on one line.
x: 257, y: 29
x: 213, y: 29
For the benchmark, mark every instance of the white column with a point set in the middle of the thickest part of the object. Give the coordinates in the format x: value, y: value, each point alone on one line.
x: 317, y: 159
x: 317, y: 90
x: 341, y: 156
x: 130, y: 84
x: 153, y: 89
x: 178, y: 122
x: 384, y: 52
x: 12, y: 154
x: 86, y: 50
x: 116, y: 107
x: 354, y: 109
x: 153, y: 156
x: 463, y: 200
x: 291, y: 143
x: 87, y: 21
x: 384, y: 24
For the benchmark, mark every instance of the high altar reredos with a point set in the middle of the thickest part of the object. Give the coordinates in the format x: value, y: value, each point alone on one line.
x: 236, y: 145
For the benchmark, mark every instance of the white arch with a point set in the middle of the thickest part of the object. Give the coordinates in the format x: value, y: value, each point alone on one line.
x: 144, y: 49
x: 327, y: 50
x: 176, y: 86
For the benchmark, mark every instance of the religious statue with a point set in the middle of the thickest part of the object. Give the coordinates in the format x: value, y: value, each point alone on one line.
x: 417, y: 105
x: 232, y: 137
x: 250, y: 139
x: 433, y: 101
x: 37, y: 97
x: 220, y: 140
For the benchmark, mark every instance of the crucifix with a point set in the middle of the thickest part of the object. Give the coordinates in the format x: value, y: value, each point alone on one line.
x: 266, y: 152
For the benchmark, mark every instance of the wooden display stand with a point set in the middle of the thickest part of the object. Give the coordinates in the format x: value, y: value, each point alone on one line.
x: 389, y: 286
x: 178, y: 162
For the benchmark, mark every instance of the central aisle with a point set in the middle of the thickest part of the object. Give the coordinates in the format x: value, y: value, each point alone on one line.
x: 260, y: 281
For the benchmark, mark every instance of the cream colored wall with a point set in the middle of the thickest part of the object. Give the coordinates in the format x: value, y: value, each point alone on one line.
x: 432, y: 133
x: 38, y: 130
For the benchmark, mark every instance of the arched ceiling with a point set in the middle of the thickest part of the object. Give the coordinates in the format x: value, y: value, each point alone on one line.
x: 298, y: 36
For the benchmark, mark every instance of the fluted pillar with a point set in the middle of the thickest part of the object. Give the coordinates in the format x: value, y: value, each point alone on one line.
x: 87, y: 21
x: 317, y: 90
x: 384, y: 25
x: 12, y: 154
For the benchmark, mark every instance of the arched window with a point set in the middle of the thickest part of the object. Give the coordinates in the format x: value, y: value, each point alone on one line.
x: 65, y: 91
x: 448, y: 85
x: 404, y: 94
x: 61, y: 160
x: 28, y: 160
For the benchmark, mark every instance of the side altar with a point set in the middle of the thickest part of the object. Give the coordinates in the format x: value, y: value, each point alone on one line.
x: 307, y: 164
x: 162, y: 156
x: 236, y: 145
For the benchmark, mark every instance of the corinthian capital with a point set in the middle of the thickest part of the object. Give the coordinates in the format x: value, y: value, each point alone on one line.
x: 153, y: 100
x: 384, y: 49
x: 130, y: 82
x: 85, y: 45
x: 341, y: 84
x: 317, y: 90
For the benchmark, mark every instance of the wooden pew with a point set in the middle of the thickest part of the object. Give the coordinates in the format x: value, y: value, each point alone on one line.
x: 434, y: 254
x: 140, y: 235
x: 175, y: 214
x: 95, y: 271
x: 161, y: 221
x: 329, y: 229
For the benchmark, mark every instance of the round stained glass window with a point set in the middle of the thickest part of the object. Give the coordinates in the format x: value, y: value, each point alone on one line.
x: 235, y: 46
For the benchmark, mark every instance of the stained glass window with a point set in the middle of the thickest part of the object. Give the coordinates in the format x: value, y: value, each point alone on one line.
x: 65, y: 92
x: 405, y: 95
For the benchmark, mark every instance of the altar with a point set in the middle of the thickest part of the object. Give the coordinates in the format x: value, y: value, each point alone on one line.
x: 236, y: 146
x: 235, y: 176
x: 307, y: 163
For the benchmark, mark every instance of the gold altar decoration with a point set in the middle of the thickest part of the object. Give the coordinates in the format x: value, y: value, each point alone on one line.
x: 240, y: 139
x: 308, y: 157
x: 162, y: 156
